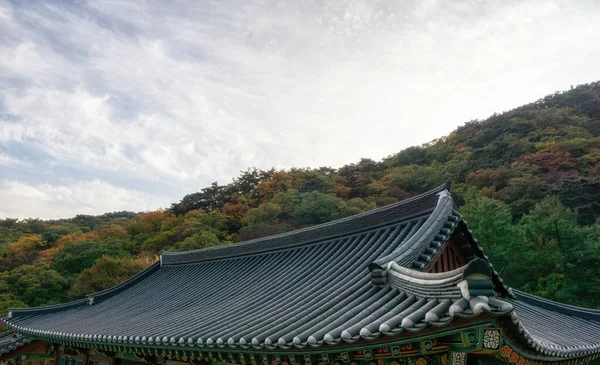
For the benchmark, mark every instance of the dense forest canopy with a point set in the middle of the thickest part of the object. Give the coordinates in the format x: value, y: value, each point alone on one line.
x: 527, y: 181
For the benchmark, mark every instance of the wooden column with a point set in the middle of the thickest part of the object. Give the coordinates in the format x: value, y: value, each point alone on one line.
x: 86, y: 356
x: 56, y: 354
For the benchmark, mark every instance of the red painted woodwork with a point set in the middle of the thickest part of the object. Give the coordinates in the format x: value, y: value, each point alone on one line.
x: 449, y: 259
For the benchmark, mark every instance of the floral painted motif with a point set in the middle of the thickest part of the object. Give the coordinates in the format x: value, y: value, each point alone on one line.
x: 514, y: 357
x: 394, y: 363
x: 421, y: 361
x: 380, y: 362
x: 491, y: 339
x: 444, y: 359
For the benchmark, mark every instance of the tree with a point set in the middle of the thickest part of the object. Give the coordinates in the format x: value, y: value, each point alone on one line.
x: 22, y: 252
x: 272, y: 183
x: 152, y: 221
x: 558, y: 259
x: 264, y: 229
x: 491, y: 223
x: 415, y: 155
x: 581, y: 193
x: 268, y: 212
x: 9, y: 222
x: 35, y: 285
x: 106, y: 272
x: 9, y: 235
x: 354, y: 206
x: 159, y: 242
x: 197, y: 241
x: 418, y: 179
x: 316, y: 207
x: 9, y: 301
x: 75, y: 257
x: 522, y: 193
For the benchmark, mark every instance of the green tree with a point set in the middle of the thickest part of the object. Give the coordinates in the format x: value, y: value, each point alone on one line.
x: 196, y: 241
x: 106, y: 272
x: 581, y: 193
x: 7, y: 301
x: 522, y: 193
x: 491, y: 223
x: 76, y: 256
x: 354, y: 206
x: 316, y: 207
x: 35, y: 285
x: 417, y: 179
x: 268, y: 212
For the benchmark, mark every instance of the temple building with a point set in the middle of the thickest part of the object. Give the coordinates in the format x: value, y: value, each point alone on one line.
x: 405, y: 284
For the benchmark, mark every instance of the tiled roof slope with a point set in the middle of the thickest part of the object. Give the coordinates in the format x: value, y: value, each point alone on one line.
x: 555, y: 329
x: 356, y: 278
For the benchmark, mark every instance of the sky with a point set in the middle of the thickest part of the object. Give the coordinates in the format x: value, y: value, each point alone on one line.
x: 130, y: 105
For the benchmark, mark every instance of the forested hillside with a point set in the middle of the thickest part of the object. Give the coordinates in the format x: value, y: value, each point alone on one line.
x: 527, y: 181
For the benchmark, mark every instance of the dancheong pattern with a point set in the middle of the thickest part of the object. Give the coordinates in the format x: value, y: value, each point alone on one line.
x: 459, y: 358
x: 491, y: 339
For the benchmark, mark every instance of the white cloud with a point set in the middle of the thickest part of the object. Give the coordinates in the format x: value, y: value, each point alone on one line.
x: 185, y: 95
x: 94, y: 197
x: 7, y: 160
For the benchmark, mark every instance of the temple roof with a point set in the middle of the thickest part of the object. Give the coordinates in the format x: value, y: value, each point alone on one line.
x: 10, y: 341
x: 357, y: 278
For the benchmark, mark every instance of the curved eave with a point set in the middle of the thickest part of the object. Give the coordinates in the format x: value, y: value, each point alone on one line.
x: 418, y: 314
x: 9, y: 344
x: 552, y: 330
x: 432, y: 234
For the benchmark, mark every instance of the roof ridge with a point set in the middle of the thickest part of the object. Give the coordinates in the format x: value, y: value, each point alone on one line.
x: 44, y: 308
x: 308, y: 234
